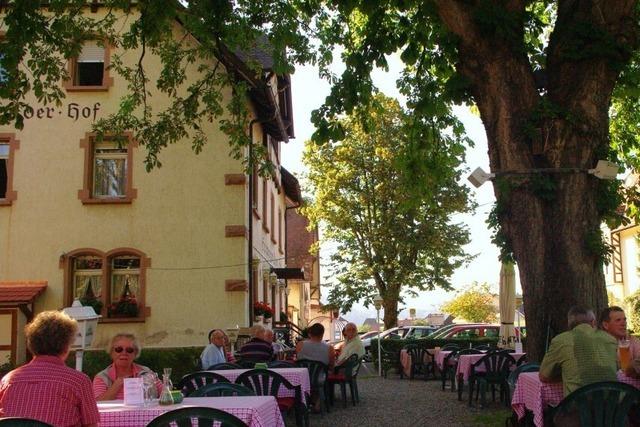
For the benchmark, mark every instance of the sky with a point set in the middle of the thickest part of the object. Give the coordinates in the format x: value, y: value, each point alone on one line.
x: 308, y: 92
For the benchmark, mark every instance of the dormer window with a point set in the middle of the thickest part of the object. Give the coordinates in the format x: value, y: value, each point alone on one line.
x: 89, y: 71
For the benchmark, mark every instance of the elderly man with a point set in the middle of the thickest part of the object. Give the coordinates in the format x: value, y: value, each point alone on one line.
x: 580, y: 356
x: 269, y: 336
x: 257, y: 349
x: 46, y: 389
x: 353, y: 344
x: 214, y: 353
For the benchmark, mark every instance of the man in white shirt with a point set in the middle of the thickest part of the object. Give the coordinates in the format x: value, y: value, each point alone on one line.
x: 214, y: 353
x: 353, y: 344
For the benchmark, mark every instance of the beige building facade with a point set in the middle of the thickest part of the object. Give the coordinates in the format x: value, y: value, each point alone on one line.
x: 167, y: 254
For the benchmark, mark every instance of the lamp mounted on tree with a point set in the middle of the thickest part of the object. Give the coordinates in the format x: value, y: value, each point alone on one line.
x: 603, y: 170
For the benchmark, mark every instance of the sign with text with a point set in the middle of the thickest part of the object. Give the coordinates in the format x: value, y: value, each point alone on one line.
x: 133, y: 391
x: 72, y: 110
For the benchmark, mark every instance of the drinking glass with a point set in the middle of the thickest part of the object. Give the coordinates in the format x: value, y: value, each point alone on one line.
x: 149, y: 380
x: 623, y: 353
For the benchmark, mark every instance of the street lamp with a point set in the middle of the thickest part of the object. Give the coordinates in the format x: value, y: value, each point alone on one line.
x: 377, y: 302
x: 87, y: 322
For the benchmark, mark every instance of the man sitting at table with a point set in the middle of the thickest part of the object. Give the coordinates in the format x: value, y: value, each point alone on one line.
x: 214, y: 353
x: 353, y: 344
x: 46, y: 389
x: 613, y: 320
x: 257, y: 349
x: 580, y: 356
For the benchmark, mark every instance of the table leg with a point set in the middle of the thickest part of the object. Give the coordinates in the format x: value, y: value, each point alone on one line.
x: 460, y: 386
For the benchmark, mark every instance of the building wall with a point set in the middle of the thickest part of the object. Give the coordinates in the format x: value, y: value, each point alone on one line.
x: 178, y: 219
x: 629, y: 264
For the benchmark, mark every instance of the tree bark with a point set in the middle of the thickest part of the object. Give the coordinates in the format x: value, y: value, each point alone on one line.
x: 390, y: 306
x: 548, y: 228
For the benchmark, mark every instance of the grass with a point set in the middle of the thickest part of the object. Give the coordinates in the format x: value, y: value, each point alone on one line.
x: 491, y: 417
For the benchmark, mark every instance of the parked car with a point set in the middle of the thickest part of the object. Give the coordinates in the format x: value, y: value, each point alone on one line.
x: 397, y: 333
x: 468, y: 330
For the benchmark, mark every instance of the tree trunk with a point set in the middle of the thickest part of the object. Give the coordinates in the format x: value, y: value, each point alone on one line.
x: 549, y: 221
x: 390, y: 306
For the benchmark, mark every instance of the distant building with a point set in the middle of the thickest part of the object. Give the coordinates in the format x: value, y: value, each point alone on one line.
x: 371, y: 323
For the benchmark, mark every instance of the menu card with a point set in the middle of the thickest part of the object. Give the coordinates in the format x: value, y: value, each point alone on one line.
x: 133, y: 391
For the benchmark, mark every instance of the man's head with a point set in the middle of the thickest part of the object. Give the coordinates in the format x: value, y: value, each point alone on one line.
x: 268, y: 335
x: 350, y: 330
x: 257, y: 331
x: 613, y: 320
x: 50, y: 334
x: 316, y: 331
x: 578, y: 315
x: 216, y: 337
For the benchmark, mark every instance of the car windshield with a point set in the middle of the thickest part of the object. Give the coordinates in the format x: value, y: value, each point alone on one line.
x: 369, y: 334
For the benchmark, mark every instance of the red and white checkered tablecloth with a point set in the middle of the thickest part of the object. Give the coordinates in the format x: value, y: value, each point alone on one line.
x: 440, y: 355
x: 623, y: 378
x: 466, y: 360
x: 255, y: 411
x: 534, y: 395
x: 296, y: 376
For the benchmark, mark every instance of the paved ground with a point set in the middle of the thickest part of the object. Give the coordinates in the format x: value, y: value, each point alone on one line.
x: 397, y: 403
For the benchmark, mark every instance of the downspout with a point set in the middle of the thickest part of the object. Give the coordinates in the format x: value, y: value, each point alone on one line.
x: 250, y: 244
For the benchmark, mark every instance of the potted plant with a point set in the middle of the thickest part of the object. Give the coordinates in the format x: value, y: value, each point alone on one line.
x: 258, y: 311
x: 126, y: 306
x: 267, y: 312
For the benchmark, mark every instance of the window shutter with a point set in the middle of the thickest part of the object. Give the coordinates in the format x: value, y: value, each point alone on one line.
x: 91, y: 52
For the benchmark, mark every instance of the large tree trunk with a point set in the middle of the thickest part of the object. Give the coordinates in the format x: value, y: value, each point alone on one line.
x: 550, y: 221
x: 390, y: 306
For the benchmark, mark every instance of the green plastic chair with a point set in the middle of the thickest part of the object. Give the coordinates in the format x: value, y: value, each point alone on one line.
x: 344, y: 374
x: 21, y: 422
x: 497, y: 367
x: 205, y: 417
x: 221, y: 389
x: 602, y: 404
x: 422, y: 362
x: 318, y: 373
x: 512, y: 420
x: 390, y: 360
x: 193, y: 381
x: 223, y: 366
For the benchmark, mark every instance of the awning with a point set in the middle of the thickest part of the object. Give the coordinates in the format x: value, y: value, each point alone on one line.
x: 289, y: 273
x: 21, y: 292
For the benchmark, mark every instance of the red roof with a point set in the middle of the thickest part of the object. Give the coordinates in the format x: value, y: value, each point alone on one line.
x: 21, y: 291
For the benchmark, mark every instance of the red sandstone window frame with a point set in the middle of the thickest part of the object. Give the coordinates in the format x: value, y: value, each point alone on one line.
x: 107, y: 80
x: 265, y: 186
x: 86, y: 195
x: 67, y: 264
x: 273, y: 219
x: 10, y: 140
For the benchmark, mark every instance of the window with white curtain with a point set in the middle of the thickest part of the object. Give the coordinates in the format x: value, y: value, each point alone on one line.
x: 109, y: 169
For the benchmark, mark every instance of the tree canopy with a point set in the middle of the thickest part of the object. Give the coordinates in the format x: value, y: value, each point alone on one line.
x: 555, y: 83
x: 388, y: 241
x: 475, y: 304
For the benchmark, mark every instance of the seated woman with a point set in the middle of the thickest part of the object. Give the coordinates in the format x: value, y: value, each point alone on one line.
x: 108, y: 383
x: 314, y: 348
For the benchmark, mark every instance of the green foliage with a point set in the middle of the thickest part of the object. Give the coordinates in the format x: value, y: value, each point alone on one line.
x: 633, y: 311
x: 475, y: 304
x: 181, y: 360
x: 386, y: 196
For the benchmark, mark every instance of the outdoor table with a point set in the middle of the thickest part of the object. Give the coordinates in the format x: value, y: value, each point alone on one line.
x: 623, y: 378
x: 255, y: 411
x: 440, y: 356
x: 533, y: 395
x: 296, y: 376
x: 465, y: 362
x: 405, y: 360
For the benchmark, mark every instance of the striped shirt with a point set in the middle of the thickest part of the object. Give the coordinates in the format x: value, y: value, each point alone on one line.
x: 257, y: 350
x: 47, y: 390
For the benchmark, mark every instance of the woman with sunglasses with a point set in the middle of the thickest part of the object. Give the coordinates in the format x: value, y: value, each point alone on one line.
x: 108, y: 383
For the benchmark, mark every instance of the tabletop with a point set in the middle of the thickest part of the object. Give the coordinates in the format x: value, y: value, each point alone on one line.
x: 255, y: 411
x: 466, y: 360
x: 534, y: 395
x: 439, y: 359
x: 296, y: 376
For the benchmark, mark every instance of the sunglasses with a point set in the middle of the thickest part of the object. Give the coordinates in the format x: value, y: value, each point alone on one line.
x: 121, y: 349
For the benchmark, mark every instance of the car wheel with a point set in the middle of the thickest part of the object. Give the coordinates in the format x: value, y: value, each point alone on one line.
x: 367, y: 355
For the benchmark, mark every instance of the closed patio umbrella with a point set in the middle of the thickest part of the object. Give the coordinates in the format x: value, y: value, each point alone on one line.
x: 507, y: 305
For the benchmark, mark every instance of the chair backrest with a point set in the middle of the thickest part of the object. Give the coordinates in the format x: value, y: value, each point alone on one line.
x: 497, y: 365
x: 351, y: 366
x: 419, y: 355
x: 281, y: 364
x: 465, y: 351
x: 450, y: 347
x: 602, y: 404
x: 193, y: 381
x: 513, y: 376
x: 264, y: 382
x: 248, y: 363
x: 222, y: 390
x: 21, y: 422
x: 318, y: 371
x: 204, y: 416
x: 483, y: 347
x: 223, y: 366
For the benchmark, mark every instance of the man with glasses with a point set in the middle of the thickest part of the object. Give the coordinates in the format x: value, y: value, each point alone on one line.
x: 214, y: 353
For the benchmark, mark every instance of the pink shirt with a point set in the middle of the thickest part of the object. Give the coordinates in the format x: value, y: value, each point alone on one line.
x: 99, y: 386
x: 47, y: 390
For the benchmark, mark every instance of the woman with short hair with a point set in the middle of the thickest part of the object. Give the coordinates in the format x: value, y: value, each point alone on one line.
x: 108, y: 383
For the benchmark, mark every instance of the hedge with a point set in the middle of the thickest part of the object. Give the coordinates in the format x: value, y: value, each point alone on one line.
x: 180, y: 359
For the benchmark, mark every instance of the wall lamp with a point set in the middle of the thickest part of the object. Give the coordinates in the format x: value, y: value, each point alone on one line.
x: 603, y: 170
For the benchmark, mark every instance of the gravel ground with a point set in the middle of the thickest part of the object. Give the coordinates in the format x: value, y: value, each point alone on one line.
x: 397, y: 403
